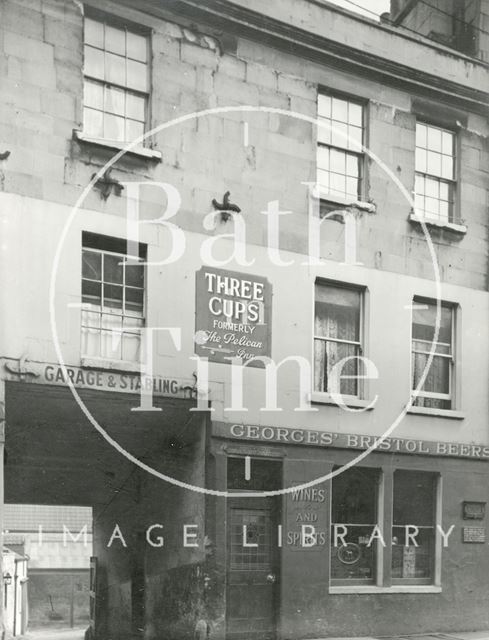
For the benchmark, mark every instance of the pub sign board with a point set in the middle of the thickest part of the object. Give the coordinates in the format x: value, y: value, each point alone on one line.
x: 233, y: 316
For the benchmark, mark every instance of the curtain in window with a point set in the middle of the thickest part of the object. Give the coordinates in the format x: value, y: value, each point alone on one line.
x: 337, y: 325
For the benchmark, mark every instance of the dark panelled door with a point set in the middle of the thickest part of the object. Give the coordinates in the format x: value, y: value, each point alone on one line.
x: 253, y: 571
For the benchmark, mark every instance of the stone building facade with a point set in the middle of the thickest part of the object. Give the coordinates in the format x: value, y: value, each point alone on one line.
x: 350, y: 252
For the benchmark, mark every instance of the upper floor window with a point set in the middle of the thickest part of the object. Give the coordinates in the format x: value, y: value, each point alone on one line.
x: 112, y: 300
x: 339, y: 154
x: 337, y: 338
x: 435, y: 173
x: 116, y: 82
x: 437, y: 389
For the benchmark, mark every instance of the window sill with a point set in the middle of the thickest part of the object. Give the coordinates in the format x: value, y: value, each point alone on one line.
x: 320, y: 397
x: 412, y: 588
x: 347, y: 203
x: 112, y: 365
x: 141, y: 152
x: 440, y: 413
x: 457, y: 228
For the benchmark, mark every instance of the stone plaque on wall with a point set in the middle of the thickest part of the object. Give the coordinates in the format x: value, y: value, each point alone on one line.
x: 474, y: 534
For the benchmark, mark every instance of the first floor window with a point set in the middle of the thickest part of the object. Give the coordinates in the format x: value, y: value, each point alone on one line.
x: 337, y: 338
x: 370, y: 511
x: 112, y: 299
x: 437, y: 389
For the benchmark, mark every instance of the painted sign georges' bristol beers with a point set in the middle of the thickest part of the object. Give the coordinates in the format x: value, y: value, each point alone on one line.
x: 233, y: 316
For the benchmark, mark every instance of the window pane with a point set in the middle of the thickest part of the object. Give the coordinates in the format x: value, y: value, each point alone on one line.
x: 447, y: 167
x: 113, y: 268
x: 354, y: 512
x: 91, y: 292
x: 434, y: 139
x: 91, y: 319
x: 114, y: 128
x: 447, y: 143
x: 112, y: 296
x: 114, y: 101
x: 324, y: 132
x: 338, y: 161
x: 339, y: 110
x: 94, y: 33
x: 115, y: 40
x: 324, y: 106
x: 323, y: 158
x: 115, y: 69
x: 355, y: 114
x: 339, y: 134
x: 411, y: 562
x: 323, y: 180
x: 438, y: 377
x: 90, y: 341
x: 91, y: 265
x: 134, y: 130
x: 421, y: 160
x: 93, y: 94
x: 432, y: 188
x: 137, y: 47
x: 414, y: 498
x: 134, y: 275
x: 419, y: 184
x: 355, y: 138
x: 337, y: 313
x: 137, y: 75
x: 134, y: 299
x: 421, y: 137
x: 135, y: 107
x: 93, y: 123
x: 352, y: 165
x: 337, y: 184
x: 433, y: 163
x: 352, y: 187
x: 424, y: 321
x: 444, y: 211
x: 94, y: 62
x: 413, y: 506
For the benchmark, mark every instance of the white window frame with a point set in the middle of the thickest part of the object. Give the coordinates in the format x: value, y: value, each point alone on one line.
x: 384, y: 582
x: 425, y: 175
x: 451, y: 357
x: 360, y: 350
x: 89, y: 359
x: 108, y: 85
x: 348, y: 148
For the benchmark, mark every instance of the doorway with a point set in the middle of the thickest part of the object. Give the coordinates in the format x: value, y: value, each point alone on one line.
x: 253, y: 558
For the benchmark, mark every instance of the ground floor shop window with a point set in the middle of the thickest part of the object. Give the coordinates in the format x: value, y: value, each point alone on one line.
x: 413, y: 530
x: 383, y: 527
x: 354, y: 519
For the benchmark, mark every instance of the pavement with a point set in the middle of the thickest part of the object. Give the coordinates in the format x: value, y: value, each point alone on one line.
x: 78, y: 634
x: 459, y: 635
x: 55, y: 634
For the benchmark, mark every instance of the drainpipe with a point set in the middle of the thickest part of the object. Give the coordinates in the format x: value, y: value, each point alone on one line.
x: 16, y: 575
x: 2, y: 445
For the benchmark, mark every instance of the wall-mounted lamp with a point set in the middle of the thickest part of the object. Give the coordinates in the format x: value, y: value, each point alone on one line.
x: 7, y: 578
